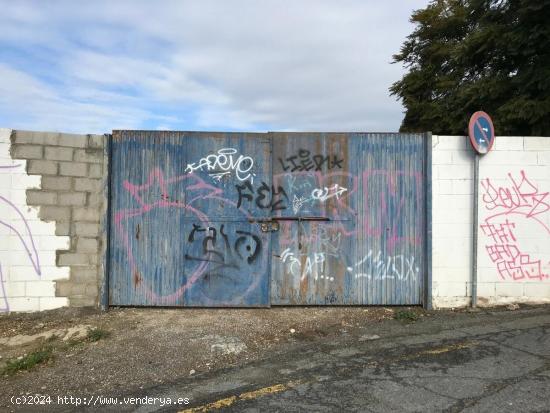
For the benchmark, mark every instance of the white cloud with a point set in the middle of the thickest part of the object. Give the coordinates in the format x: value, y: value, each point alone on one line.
x: 278, y: 65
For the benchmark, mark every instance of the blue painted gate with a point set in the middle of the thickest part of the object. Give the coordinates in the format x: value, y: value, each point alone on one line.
x: 239, y: 219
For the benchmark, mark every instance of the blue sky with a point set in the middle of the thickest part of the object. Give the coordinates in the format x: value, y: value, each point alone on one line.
x: 94, y: 66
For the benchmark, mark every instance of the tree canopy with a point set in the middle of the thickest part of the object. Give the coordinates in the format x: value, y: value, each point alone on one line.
x: 469, y: 55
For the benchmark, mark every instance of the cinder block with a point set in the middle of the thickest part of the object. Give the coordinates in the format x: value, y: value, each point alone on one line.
x: 91, y: 290
x: 95, y: 258
x: 25, y: 304
x: 63, y: 228
x: 63, y: 288
x: 87, y: 245
x: 49, y: 303
x: 82, y: 302
x: 23, y: 181
x: 543, y: 158
x: 95, y: 200
x: 54, y: 273
x: 89, y: 185
x: 96, y: 171
x: 86, y: 214
x: 463, y: 158
x: 86, y: 229
x: 72, y: 198
x: 536, y: 143
x: 54, y: 213
x: 27, y: 152
x: 511, y: 158
x: 57, y: 153
x: 89, y: 155
x: 56, y: 183
x: 451, y: 143
x: 451, y: 289
x: 508, y: 143
x: 96, y: 141
x: 78, y: 289
x: 537, y: 290
x: 73, y: 141
x: 453, y: 171
x: 41, y: 167
x: 486, y: 289
x: 442, y: 157
x: 73, y: 169
x: 39, y: 138
x: 20, y: 273
x: 69, y: 259
x: 53, y: 243
x: 505, y: 289
x: 40, y: 197
x: 40, y: 289
x: 15, y: 288
x: 463, y: 187
x: 84, y: 274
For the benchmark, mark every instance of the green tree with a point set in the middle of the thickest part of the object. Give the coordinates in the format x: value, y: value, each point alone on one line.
x: 469, y: 55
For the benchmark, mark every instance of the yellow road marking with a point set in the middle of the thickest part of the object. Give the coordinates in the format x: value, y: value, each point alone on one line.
x: 447, y: 348
x: 228, y: 401
x: 433, y: 351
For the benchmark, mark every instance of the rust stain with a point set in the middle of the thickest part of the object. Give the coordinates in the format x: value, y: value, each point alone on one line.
x: 137, y: 278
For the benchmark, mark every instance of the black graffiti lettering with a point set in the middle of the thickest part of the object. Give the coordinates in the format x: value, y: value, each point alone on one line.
x: 308, y: 162
x: 336, y: 162
x: 245, y: 236
x: 280, y: 204
x: 195, y: 229
x: 265, y: 197
x: 320, y: 160
x: 294, y: 166
x: 262, y: 190
x: 246, y: 247
x: 247, y: 186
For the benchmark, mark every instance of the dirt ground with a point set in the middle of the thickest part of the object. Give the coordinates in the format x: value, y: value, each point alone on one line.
x: 148, y: 346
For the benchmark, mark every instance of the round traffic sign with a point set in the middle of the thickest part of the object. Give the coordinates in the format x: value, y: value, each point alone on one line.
x: 481, y: 132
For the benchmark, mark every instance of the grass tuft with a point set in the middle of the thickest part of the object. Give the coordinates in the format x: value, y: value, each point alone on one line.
x: 406, y: 315
x: 28, y: 361
x: 97, y: 334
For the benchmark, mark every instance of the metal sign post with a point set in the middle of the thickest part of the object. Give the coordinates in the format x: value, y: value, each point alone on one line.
x: 476, y: 203
x: 482, y: 137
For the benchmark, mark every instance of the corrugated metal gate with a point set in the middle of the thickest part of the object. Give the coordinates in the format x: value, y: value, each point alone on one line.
x: 239, y: 219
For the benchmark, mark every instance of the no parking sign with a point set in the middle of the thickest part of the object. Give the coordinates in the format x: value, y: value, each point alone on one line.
x: 481, y: 132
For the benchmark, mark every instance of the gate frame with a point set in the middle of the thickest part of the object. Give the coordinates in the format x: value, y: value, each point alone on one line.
x: 106, y: 226
x: 427, y: 296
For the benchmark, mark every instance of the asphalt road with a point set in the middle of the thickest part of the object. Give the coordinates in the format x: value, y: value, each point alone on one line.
x: 479, y: 362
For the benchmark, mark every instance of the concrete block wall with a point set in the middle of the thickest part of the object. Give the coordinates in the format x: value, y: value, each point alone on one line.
x: 61, y: 184
x: 514, y: 221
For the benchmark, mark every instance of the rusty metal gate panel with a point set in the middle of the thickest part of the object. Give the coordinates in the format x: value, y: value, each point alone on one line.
x: 354, y: 229
x: 178, y: 237
x: 234, y: 219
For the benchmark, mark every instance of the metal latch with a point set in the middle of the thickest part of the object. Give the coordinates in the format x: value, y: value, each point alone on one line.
x: 269, y: 226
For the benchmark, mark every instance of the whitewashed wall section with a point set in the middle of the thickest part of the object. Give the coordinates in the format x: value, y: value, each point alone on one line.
x: 514, y: 221
x: 27, y: 244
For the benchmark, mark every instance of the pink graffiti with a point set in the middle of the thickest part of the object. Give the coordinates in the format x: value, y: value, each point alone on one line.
x: 511, y: 263
x: 523, y: 198
x: 387, y: 219
x: 156, y: 193
x: 342, y: 212
x: 23, y: 232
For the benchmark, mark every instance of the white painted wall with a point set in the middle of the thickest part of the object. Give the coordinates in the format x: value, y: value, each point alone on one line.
x: 27, y: 244
x: 514, y: 218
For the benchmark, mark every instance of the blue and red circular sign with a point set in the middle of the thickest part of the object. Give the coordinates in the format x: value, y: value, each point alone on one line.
x: 481, y: 132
